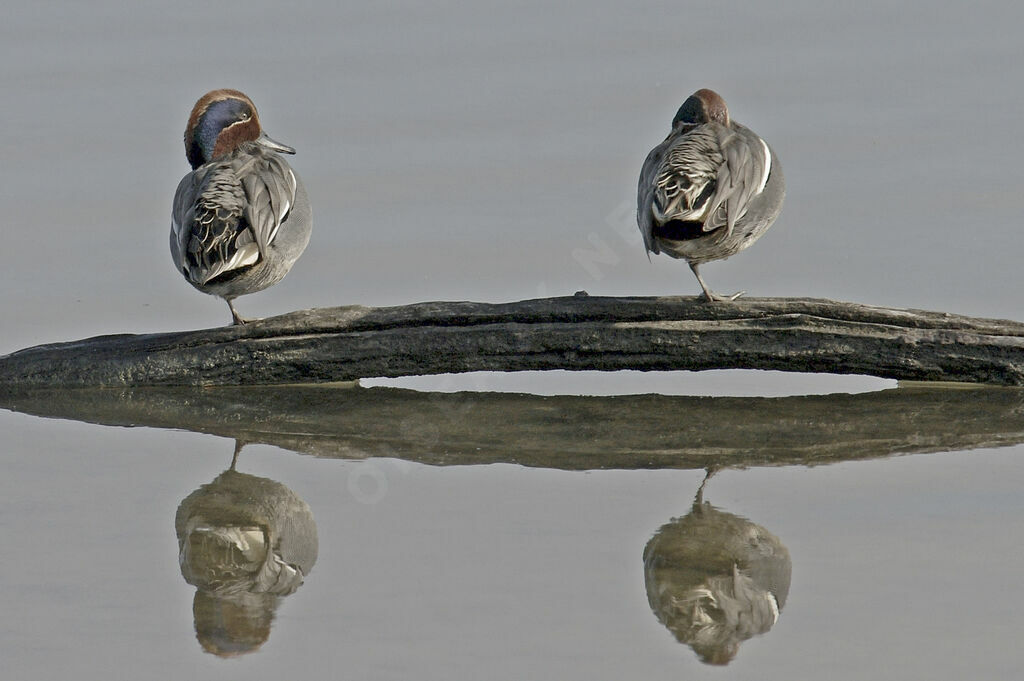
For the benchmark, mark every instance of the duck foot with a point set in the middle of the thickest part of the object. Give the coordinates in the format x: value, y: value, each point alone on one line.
x: 709, y: 295
x: 236, y: 318
x: 712, y: 297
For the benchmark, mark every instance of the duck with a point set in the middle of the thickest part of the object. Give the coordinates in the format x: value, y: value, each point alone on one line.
x: 710, y: 189
x: 241, y: 217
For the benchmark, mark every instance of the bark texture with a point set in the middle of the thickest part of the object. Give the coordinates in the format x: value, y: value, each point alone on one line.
x: 575, y: 333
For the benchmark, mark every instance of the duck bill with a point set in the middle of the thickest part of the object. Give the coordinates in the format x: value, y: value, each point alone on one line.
x: 265, y: 141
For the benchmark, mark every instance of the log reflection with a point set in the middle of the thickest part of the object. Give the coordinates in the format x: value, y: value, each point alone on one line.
x: 573, y: 433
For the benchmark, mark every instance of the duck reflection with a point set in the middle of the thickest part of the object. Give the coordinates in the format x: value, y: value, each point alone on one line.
x: 715, y: 579
x: 243, y: 542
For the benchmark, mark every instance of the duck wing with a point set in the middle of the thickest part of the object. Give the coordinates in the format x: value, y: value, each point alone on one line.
x: 227, y: 213
x: 269, y: 186
x: 707, y: 174
x: 742, y: 176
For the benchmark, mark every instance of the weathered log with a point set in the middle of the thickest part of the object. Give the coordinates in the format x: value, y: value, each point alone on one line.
x: 573, y: 433
x: 576, y: 333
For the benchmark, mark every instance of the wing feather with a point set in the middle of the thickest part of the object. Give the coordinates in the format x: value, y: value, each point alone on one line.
x: 707, y: 174
x: 645, y: 196
x: 226, y: 214
x: 270, y: 189
x: 741, y: 177
x: 181, y: 215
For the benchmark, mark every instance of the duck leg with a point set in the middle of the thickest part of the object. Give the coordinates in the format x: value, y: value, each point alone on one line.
x: 238, y: 450
x: 235, y: 317
x: 710, y: 295
x: 708, y: 472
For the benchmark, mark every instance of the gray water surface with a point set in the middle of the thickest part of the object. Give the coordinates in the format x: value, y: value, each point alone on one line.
x: 901, y: 568
x: 490, y: 152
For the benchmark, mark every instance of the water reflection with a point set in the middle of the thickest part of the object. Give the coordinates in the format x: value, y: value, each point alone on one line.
x: 244, y: 542
x: 715, y: 579
x: 566, y: 432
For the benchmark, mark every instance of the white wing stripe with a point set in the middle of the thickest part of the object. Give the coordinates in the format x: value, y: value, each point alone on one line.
x: 767, y: 166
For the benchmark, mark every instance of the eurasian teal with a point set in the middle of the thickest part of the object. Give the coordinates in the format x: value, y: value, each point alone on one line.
x: 710, y: 189
x: 241, y: 218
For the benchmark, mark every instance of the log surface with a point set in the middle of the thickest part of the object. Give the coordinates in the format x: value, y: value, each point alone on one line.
x: 574, y: 333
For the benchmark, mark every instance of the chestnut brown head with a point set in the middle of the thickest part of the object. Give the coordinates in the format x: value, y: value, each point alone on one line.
x: 221, y: 121
x: 701, y: 107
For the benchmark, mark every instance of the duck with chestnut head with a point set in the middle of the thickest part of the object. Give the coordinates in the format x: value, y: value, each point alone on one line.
x: 711, y: 189
x: 241, y: 217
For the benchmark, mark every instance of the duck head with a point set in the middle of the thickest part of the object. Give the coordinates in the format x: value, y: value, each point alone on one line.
x: 221, y: 121
x: 703, y: 106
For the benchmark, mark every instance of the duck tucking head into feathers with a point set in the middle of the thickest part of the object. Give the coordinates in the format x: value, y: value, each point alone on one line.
x: 241, y: 218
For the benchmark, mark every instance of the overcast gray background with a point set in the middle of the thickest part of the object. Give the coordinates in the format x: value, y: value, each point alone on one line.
x: 464, y: 151
x: 470, y: 152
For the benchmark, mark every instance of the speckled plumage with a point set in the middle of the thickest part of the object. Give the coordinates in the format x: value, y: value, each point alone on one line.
x: 241, y: 218
x: 710, y: 189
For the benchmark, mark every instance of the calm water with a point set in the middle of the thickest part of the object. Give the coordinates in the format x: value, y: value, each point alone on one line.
x: 490, y: 153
